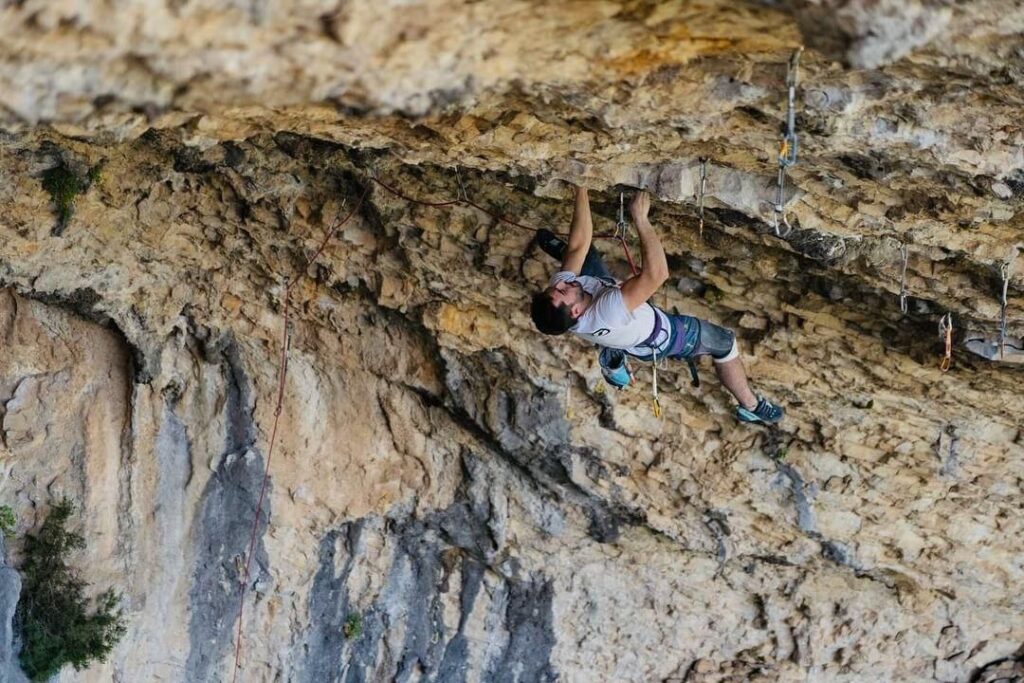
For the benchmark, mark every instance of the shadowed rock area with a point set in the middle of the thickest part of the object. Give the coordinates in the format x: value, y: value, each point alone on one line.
x: 453, y: 496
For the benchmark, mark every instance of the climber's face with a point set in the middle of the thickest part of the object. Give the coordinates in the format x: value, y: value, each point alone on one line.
x: 571, y: 294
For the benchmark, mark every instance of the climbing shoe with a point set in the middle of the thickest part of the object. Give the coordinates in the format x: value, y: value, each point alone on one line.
x: 614, y: 368
x: 550, y: 243
x: 765, y: 412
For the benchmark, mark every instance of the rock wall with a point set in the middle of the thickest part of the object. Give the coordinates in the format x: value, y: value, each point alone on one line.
x: 442, y: 471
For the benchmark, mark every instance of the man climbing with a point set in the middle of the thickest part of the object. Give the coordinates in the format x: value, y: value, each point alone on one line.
x: 585, y: 300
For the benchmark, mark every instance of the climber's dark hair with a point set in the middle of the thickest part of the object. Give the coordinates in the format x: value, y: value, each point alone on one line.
x: 549, y: 318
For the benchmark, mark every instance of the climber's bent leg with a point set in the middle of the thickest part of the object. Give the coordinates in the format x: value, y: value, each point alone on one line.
x: 704, y: 338
x: 720, y: 343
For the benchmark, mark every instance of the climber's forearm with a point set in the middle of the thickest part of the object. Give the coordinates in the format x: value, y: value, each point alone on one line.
x: 655, y: 264
x: 581, y: 233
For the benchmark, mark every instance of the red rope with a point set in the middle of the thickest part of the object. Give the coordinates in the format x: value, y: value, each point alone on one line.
x: 407, y: 198
x: 625, y: 248
x: 282, y: 374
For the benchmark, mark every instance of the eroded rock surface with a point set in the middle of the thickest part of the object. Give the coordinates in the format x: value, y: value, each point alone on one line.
x: 443, y: 474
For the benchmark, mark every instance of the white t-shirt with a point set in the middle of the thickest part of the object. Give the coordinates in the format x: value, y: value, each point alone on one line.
x: 608, y: 322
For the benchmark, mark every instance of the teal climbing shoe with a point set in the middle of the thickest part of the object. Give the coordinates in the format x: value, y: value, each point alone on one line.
x: 765, y: 412
x: 614, y: 368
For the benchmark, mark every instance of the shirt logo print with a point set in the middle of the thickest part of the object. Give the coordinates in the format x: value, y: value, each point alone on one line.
x: 601, y: 332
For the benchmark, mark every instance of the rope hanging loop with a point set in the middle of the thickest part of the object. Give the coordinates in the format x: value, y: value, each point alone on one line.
x: 282, y: 375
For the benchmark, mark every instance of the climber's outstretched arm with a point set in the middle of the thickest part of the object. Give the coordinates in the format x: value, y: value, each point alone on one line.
x: 639, y: 288
x: 580, y: 234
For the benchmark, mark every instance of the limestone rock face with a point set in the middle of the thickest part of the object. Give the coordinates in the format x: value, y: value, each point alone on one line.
x: 452, y: 496
x: 10, y: 589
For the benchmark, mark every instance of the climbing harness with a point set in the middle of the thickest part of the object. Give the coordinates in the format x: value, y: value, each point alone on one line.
x: 903, y: 279
x: 1005, y: 271
x: 788, y: 148
x: 652, y: 342
x: 700, y: 193
x: 946, y: 332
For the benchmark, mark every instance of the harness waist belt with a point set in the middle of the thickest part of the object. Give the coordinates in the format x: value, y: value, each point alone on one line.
x: 652, y: 340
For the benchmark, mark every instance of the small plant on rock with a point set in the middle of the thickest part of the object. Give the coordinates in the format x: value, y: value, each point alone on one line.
x: 96, y: 173
x: 8, y: 520
x: 353, y: 627
x: 64, y: 187
x: 57, y: 627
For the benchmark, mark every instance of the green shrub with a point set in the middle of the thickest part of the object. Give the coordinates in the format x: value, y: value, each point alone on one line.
x: 8, y: 520
x: 64, y: 187
x: 52, y: 611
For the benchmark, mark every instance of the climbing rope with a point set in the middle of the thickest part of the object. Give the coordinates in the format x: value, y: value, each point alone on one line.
x: 621, y: 227
x: 700, y: 192
x: 903, y: 279
x: 282, y: 373
x: 788, y: 147
x: 946, y: 332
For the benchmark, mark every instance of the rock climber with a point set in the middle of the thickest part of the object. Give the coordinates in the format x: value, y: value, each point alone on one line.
x: 584, y: 299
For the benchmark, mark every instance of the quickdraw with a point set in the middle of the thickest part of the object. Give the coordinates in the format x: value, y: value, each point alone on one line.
x: 620, y: 225
x: 946, y: 332
x: 903, y: 279
x: 568, y: 398
x: 788, y: 148
x: 621, y: 229
x: 1005, y: 271
x: 656, y: 405
x: 462, y: 188
x: 700, y: 192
